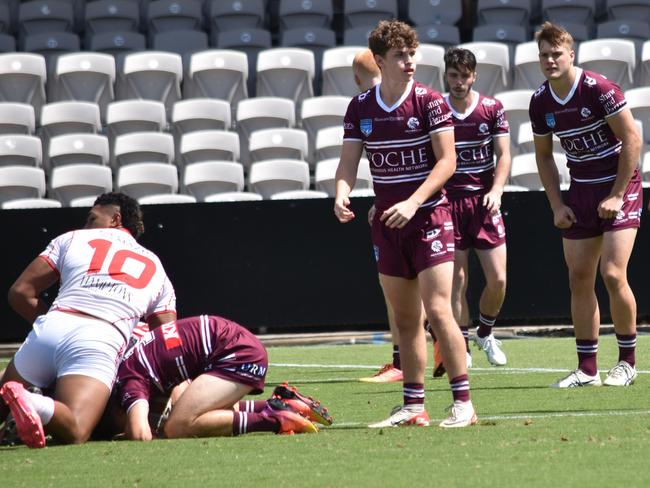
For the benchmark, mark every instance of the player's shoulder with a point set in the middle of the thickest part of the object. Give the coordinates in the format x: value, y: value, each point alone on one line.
x: 363, y: 97
x: 592, y: 81
x: 425, y: 92
x: 490, y: 104
x: 540, y: 93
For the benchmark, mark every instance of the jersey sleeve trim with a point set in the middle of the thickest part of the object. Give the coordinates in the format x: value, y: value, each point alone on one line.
x: 50, y: 263
x: 442, y: 129
x: 501, y: 134
x: 139, y: 400
x: 542, y: 135
x: 352, y: 139
x: 614, y: 113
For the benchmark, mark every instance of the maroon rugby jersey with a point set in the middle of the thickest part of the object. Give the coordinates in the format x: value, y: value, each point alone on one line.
x: 397, y: 139
x: 474, y: 131
x: 178, y: 351
x: 579, y: 121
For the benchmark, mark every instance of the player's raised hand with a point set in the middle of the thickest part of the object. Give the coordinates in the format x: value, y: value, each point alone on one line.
x: 609, y: 207
x: 492, y: 201
x: 563, y: 217
x: 341, y: 210
x: 399, y: 214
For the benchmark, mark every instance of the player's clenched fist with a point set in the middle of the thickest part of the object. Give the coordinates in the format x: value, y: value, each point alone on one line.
x: 563, y: 217
x: 341, y: 210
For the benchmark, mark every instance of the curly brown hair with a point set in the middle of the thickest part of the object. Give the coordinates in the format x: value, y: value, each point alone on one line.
x: 392, y: 33
x: 555, y: 35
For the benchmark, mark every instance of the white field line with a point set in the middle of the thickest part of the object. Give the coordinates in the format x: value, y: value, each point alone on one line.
x: 610, y: 413
x: 483, y: 370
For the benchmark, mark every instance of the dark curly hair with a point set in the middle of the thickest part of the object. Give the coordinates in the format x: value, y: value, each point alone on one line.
x: 460, y: 59
x: 392, y: 33
x: 129, y: 209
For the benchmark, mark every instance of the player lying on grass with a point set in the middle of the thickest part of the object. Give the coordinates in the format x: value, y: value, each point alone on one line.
x: 223, y: 362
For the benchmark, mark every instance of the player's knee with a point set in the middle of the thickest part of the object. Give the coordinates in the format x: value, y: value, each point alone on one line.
x: 497, y: 283
x: 613, y: 277
x: 579, y: 280
x: 176, y: 428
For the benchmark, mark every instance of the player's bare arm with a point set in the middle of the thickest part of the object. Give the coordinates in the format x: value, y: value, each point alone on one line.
x: 346, y: 177
x: 492, y: 199
x: 157, y: 320
x: 402, y: 212
x: 24, y: 294
x: 137, y: 423
x: 563, y: 216
x: 624, y: 128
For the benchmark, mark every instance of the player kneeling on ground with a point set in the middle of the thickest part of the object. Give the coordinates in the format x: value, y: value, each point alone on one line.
x: 224, y: 362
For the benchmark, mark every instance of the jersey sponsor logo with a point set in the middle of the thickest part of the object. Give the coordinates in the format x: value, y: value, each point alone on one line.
x: 171, y: 336
x: 435, y: 103
x: 585, y: 112
x: 394, y: 159
x: 489, y: 102
x: 348, y: 126
x: 483, y: 128
x: 361, y: 97
x: 589, y: 81
x: 366, y: 126
x: 419, y: 90
x: 591, y: 141
x: 550, y: 120
x: 432, y: 234
x: 252, y: 369
x: 539, y: 91
x: 413, y: 123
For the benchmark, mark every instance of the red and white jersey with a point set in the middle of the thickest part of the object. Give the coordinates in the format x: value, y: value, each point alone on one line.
x: 397, y: 139
x: 107, y: 274
x: 474, y: 132
x: 579, y: 120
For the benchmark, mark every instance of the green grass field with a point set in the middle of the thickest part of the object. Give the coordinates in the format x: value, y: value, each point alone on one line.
x: 528, y: 434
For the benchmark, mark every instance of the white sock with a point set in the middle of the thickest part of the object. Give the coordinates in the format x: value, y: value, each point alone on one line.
x: 414, y: 407
x: 43, y: 405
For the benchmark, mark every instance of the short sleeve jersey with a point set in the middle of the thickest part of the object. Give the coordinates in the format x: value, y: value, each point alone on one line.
x: 474, y: 132
x: 580, y: 122
x: 397, y: 139
x: 173, y: 353
x: 107, y: 274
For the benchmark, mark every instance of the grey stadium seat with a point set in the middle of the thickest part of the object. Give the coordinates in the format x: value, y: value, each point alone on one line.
x: 182, y: 42
x: 171, y: 15
x: 358, y: 13
x: 313, y: 13
x: 236, y: 16
x: 441, y: 34
x: 509, y: 12
x: 112, y: 16
x: 447, y: 12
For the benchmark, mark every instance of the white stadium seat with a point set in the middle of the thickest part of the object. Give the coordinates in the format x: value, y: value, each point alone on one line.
x: 21, y: 182
x: 287, y: 73
x: 208, y: 178
x: 21, y: 203
x: 143, y: 147
x: 613, y: 58
x: 78, y: 149
x: 299, y: 195
x: 338, y: 77
x: 17, y: 118
x: 22, y: 79
x: 321, y: 112
x: 430, y: 66
x: 80, y: 180
x: 166, y: 198
x: 329, y: 142
x: 278, y: 143
x: 235, y: 196
x: 492, y: 66
x: 527, y: 72
x: 208, y: 145
x: 276, y: 175
x: 515, y: 103
x: 325, y: 176
x: 18, y: 149
x: 145, y: 179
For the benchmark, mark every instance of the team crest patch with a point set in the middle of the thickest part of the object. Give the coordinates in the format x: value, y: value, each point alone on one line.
x: 413, y: 123
x: 550, y: 120
x: 483, y: 128
x: 585, y: 112
x: 366, y: 126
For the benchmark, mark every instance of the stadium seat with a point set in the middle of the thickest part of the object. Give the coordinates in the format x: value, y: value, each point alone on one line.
x: 526, y: 140
x: 200, y: 114
x: 21, y: 182
x: 106, y: 16
x: 613, y: 58
x: 524, y: 172
x: 287, y: 73
x: 338, y: 77
x: 165, y: 199
x: 325, y: 176
x: 45, y: 16
x: 447, y: 12
x: 315, y: 39
x: 321, y: 112
x: 328, y: 143
x: 638, y: 10
x: 262, y: 113
x: 6, y: 23
x: 151, y: 75
x: 22, y: 79
x: 80, y: 180
x: 208, y: 145
x: 183, y: 42
x: 643, y: 76
x: 249, y: 41
x: 430, y: 66
x: 299, y: 195
x: 83, y: 201
x: 514, y: 188
x: 638, y: 101
x: 143, y: 147
x: 22, y: 203
x: 278, y: 143
x: 645, y: 167
x: 17, y: 118
x: 276, y: 175
x: 492, y: 66
x: 527, y: 72
x: 7, y: 43
x: 361, y: 13
x: 172, y: 15
x: 236, y: 16
x: 357, y: 36
x: 516, y: 105
x: 117, y: 44
x: 52, y: 45
x: 512, y: 35
x: 296, y: 14
x: 234, y: 196
x: 508, y: 12
x: 634, y: 30
x: 145, y: 179
x: 78, y: 149
x: 442, y: 35
x: 84, y: 76
x: 573, y: 11
x: 20, y: 150
x: 134, y: 116
x: 202, y: 180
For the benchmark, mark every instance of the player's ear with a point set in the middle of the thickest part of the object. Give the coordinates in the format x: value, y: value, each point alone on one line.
x: 116, y: 221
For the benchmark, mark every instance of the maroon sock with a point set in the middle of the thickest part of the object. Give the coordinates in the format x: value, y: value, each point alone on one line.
x: 460, y: 388
x: 251, y: 405
x: 587, y: 351
x: 413, y: 393
x: 627, y: 348
x: 465, y: 330
x: 396, y: 359
x: 485, y: 324
x: 245, y: 422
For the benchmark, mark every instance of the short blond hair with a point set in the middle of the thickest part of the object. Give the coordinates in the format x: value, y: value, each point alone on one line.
x: 364, y: 65
x: 555, y: 35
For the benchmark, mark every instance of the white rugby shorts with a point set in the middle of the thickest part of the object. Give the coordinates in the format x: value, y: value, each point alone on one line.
x: 60, y: 344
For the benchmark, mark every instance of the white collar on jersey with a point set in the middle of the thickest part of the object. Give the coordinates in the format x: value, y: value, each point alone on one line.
x: 470, y: 109
x: 571, y: 91
x: 381, y: 103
